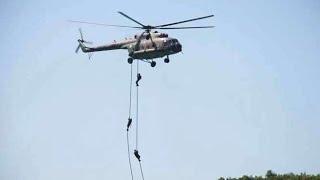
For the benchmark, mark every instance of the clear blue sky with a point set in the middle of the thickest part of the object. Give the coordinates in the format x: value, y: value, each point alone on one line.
x: 242, y: 99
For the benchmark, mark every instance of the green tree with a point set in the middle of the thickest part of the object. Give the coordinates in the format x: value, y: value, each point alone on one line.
x: 270, y: 175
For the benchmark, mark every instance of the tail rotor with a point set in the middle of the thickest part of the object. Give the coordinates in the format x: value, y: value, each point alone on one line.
x: 81, y: 41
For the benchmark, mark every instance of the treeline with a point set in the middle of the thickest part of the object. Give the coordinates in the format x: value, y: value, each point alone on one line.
x: 270, y: 175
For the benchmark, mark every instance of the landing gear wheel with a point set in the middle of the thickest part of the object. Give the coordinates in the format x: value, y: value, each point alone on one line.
x: 130, y: 60
x: 166, y: 60
x: 153, y: 63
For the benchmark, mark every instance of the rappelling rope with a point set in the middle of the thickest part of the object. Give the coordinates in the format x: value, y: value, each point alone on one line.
x: 129, y: 155
x: 136, y: 152
x: 137, y: 112
x: 141, y: 170
x: 129, y: 123
x: 137, y: 125
x: 130, y: 91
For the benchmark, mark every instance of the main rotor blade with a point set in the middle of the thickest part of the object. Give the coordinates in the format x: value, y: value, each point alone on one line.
x: 123, y: 14
x: 81, y: 33
x: 184, y: 21
x: 193, y: 27
x: 100, y: 24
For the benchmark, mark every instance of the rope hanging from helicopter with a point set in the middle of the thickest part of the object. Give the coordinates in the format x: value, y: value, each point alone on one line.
x: 136, y: 152
x: 137, y: 105
x: 129, y: 123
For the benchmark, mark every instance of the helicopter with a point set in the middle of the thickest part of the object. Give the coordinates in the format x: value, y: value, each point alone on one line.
x: 145, y: 46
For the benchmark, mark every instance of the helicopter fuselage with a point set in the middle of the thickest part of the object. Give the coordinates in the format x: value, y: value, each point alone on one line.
x: 143, y: 46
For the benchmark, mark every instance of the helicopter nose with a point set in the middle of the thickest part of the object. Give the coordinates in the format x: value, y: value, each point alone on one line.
x: 179, y: 47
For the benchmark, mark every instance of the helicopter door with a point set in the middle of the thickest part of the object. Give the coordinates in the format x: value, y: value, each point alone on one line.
x: 143, y: 45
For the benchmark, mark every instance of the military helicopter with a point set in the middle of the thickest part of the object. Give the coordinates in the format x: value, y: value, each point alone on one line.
x: 145, y: 46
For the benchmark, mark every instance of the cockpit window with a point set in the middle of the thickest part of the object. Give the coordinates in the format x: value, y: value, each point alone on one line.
x: 170, y: 42
x: 173, y: 42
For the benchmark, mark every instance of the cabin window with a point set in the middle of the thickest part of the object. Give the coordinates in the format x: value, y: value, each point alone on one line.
x: 165, y: 43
